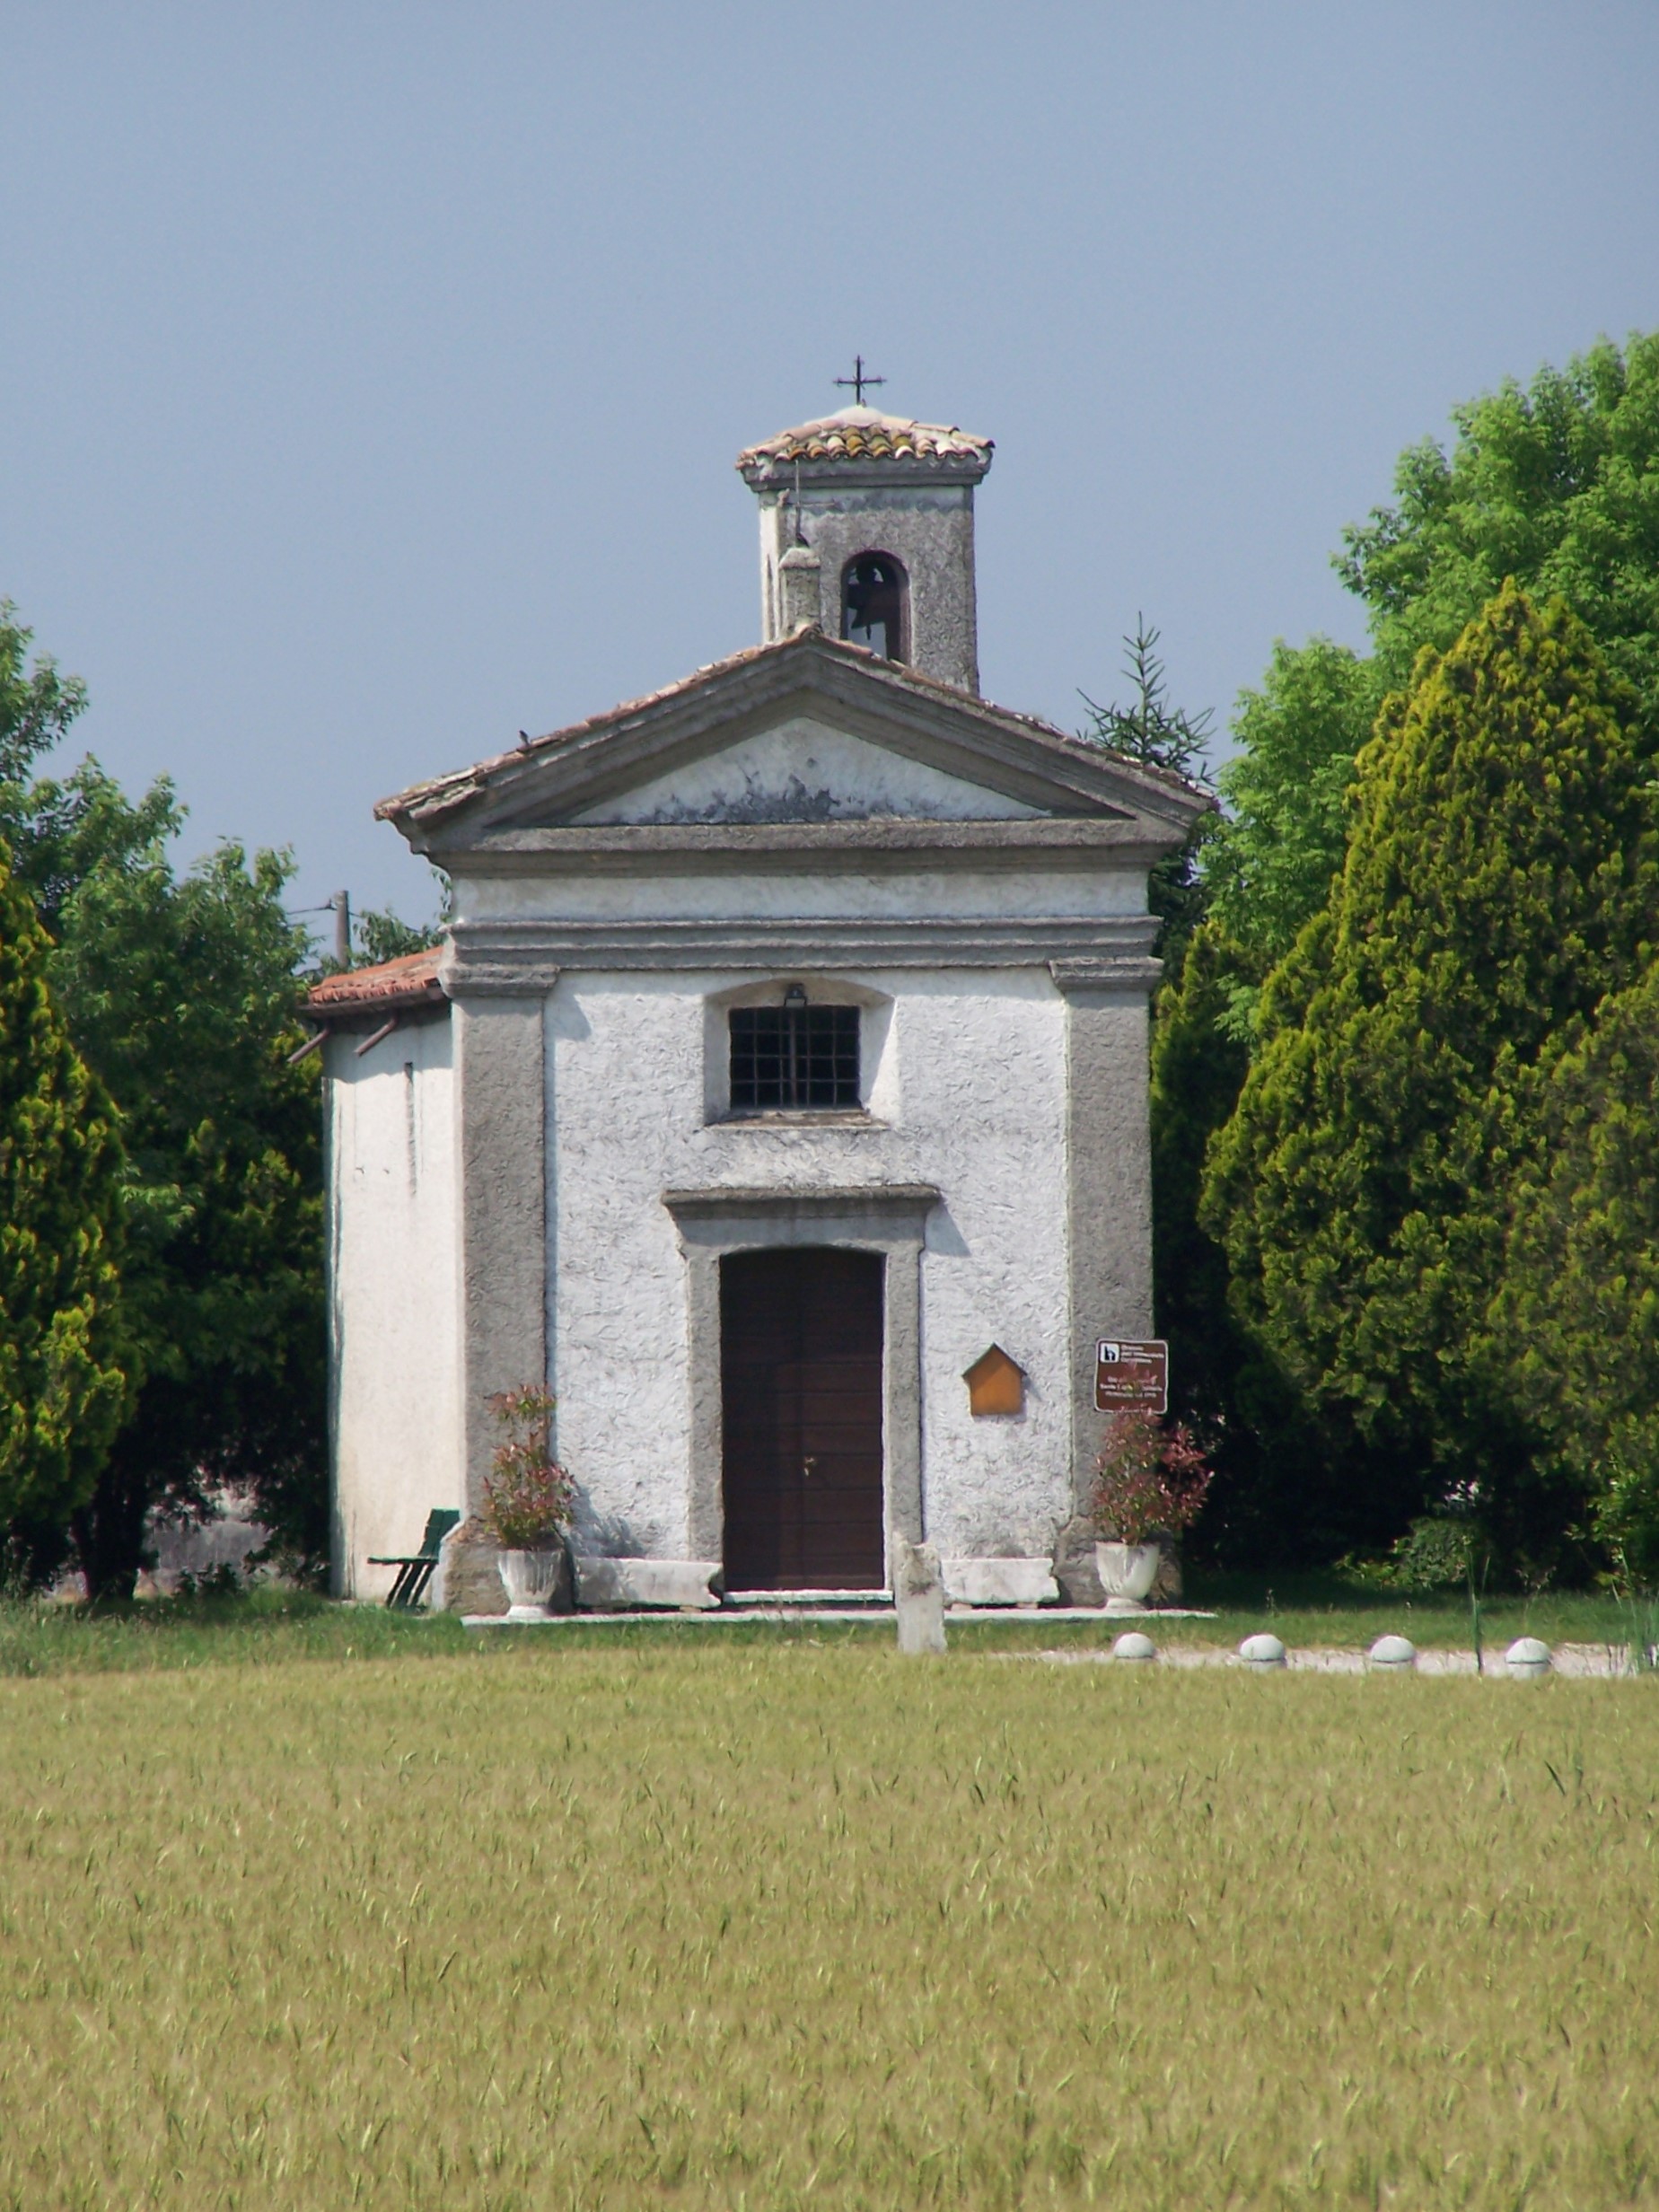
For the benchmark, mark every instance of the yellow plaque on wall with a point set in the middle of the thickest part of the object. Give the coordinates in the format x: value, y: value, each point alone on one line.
x: 995, y: 1383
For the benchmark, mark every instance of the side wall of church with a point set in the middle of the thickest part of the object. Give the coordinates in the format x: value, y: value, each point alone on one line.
x: 395, y: 1416
x: 968, y: 1093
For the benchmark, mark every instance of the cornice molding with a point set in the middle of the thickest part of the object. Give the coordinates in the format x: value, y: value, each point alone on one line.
x: 520, y: 958
x: 893, y: 1215
x: 1130, y: 973
x: 769, y: 1197
x: 485, y: 968
x: 875, y: 847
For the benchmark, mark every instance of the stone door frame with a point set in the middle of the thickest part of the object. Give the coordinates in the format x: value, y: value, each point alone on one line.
x: 887, y: 1218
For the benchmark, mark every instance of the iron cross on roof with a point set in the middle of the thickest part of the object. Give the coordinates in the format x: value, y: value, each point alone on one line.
x: 857, y: 382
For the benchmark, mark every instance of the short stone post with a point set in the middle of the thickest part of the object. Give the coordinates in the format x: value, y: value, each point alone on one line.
x: 918, y: 1597
x: 1528, y: 1659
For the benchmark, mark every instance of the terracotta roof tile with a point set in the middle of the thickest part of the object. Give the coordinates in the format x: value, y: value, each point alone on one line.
x: 411, y: 979
x: 864, y: 434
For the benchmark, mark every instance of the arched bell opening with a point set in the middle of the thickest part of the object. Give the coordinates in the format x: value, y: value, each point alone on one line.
x: 875, y: 605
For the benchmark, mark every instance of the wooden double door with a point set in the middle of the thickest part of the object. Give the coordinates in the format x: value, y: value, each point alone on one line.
x: 801, y: 1335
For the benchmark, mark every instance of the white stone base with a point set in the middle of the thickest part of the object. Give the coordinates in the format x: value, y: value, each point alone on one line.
x: 628, y: 1585
x: 1000, y: 1582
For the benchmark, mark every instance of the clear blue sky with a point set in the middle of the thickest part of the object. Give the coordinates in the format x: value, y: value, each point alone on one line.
x: 370, y: 375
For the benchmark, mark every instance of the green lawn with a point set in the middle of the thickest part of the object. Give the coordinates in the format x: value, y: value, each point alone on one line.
x: 664, y: 1918
x: 1331, y: 1609
x: 268, y: 1626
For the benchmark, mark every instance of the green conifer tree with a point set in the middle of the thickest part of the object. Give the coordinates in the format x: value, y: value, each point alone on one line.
x: 1577, y: 1317
x: 62, y: 1387
x: 1501, y: 878
x: 1556, y: 485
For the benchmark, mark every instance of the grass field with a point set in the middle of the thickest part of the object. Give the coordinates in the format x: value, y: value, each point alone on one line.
x: 792, y: 1922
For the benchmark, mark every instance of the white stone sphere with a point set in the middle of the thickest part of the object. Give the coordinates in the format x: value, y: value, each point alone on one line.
x: 1393, y: 1651
x: 1528, y: 1658
x: 1262, y: 1651
x: 1133, y: 1645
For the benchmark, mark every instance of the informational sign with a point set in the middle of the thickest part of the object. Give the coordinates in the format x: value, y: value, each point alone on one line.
x: 1132, y: 1373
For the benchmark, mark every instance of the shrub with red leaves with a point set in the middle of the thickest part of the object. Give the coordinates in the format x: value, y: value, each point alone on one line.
x: 530, y: 1499
x: 1148, y: 1478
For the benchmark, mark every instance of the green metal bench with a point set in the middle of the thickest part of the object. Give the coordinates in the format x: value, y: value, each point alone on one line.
x: 417, y: 1570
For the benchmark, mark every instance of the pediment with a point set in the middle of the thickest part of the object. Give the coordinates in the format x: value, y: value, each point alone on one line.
x: 808, y: 731
x: 802, y: 769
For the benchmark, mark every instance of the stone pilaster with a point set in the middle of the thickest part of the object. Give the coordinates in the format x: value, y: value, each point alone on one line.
x: 501, y: 1089
x: 1109, y: 1200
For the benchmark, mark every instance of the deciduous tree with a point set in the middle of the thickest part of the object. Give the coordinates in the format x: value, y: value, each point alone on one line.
x: 180, y: 990
x: 63, y: 1381
x: 1556, y: 485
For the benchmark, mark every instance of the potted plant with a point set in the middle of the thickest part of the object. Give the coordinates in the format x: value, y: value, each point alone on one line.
x: 1148, y: 1482
x: 529, y: 1501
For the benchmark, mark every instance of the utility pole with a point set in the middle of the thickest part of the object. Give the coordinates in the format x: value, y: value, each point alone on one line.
x: 341, y: 904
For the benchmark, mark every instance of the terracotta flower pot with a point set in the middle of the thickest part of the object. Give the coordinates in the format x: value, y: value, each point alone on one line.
x: 1127, y: 1572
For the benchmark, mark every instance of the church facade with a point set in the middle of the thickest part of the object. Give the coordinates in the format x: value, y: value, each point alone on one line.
x: 779, y: 1094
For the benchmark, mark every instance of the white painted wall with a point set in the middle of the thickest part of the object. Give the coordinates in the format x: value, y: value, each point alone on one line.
x: 970, y: 1083
x: 393, y: 1310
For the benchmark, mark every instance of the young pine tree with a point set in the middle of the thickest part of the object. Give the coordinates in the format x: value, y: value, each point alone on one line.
x: 1160, y: 736
x: 62, y: 1387
x: 1501, y: 877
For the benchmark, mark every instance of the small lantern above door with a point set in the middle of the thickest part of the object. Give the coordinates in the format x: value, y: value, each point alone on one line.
x: 995, y: 1383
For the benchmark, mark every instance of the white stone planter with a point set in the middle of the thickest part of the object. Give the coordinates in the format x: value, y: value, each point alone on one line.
x: 530, y: 1579
x: 1127, y: 1572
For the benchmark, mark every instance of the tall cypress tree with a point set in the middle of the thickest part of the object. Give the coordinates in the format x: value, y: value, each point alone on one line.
x: 1578, y: 1318
x: 1553, y: 486
x: 1267, y: 1507
x: 1501, y: 877
x: 62, y: 1388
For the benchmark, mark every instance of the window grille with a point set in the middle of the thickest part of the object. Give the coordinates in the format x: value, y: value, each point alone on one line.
x: 794, y: 1057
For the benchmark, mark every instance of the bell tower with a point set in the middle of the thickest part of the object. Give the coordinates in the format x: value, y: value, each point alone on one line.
x: 866, y: 530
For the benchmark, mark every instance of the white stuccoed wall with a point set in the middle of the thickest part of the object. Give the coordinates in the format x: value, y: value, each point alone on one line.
x: 970, y: 1093
x: 393, y: 1314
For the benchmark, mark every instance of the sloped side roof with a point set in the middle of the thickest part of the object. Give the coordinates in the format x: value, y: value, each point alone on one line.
x: 409, y: 980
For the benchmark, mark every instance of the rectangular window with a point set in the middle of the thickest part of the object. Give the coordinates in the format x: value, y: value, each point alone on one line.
x: 794, y: 1057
